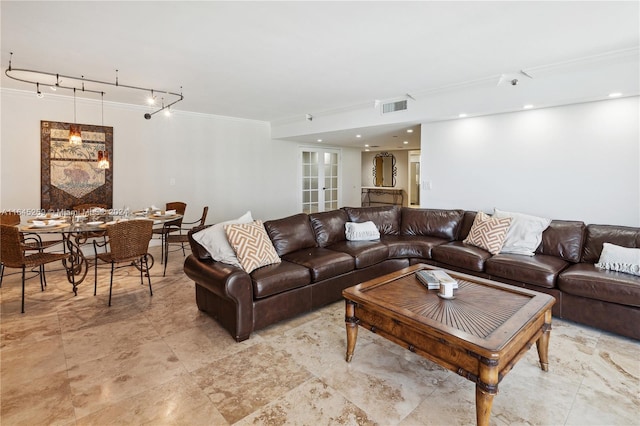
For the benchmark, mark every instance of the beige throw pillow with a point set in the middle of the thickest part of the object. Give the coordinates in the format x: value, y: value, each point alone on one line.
x: 252, y: 245
x: 488, y: 232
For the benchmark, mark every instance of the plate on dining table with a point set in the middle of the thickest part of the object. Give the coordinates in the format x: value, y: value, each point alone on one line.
x: 164, y: 216
x: 48, y: 225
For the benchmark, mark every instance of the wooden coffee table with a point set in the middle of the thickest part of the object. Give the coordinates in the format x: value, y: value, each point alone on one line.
x: 480, y: 334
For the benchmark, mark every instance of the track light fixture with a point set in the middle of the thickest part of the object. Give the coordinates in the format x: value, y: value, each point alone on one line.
x: 53, y: 80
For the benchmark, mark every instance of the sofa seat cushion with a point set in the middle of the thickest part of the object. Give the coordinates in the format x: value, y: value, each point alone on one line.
x: 586, y: 280
x: 278, y: 278
x: 401, y: 246
x: 462, y: 255
x: 540, y: 270
x: 321, y: 262
x: 365, y: 253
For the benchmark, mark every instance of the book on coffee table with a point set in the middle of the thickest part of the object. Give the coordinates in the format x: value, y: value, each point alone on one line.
x: 432, y: 279
x: 427, y: 279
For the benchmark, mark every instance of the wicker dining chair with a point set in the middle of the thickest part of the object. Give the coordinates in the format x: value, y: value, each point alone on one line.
x: 30, y: 241
x: 172, y: 226
x: 180, y: 236
x: 13, y: 255
x: 128, y: 242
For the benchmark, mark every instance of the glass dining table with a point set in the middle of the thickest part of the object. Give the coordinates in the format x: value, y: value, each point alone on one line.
x: 77, y: 230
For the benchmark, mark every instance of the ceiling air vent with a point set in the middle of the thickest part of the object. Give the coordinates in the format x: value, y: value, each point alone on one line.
x: 394, y: 106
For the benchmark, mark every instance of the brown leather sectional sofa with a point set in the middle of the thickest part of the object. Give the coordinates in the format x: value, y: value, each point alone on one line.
x: 318, y: 263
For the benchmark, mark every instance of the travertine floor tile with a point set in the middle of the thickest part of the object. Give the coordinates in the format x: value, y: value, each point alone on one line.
x: 312, y: 403
x: 179, y: 401
x: 248, y: 380
x: 159, y: 360
x: 120, y: 375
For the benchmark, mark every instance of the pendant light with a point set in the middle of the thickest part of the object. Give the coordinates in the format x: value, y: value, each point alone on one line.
x: 103, y: 159
x: 75, y: 137
x: 103, y: 156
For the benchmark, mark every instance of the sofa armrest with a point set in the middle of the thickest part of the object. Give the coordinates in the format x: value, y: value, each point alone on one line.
x: 223, y: 291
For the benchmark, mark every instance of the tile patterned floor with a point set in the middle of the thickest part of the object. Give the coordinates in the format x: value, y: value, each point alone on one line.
x: 158, y: 360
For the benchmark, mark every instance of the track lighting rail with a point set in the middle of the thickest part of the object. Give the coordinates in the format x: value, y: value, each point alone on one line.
x: 48, y: 81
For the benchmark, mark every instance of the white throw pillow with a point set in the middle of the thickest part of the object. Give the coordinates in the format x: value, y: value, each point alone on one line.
x: 214, y: 239
x: 621, y: 259
x: 524, y: 234
x: 365, y: 231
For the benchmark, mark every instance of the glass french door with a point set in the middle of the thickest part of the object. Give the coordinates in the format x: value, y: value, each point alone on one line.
x: 320, y: 177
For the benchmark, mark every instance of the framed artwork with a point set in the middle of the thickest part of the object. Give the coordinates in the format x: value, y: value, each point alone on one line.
x: 69, y: 173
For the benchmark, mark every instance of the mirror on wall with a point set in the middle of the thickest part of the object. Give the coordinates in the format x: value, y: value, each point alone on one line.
x: 384, y: 170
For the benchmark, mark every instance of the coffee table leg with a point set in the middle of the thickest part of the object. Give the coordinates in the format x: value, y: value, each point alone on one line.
x: 542, y: 344
x: 486, y: 389
x: 352, y: 328
x: 484, y: 402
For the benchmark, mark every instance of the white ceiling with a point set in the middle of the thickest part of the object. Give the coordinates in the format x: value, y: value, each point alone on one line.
x: 274, y: 61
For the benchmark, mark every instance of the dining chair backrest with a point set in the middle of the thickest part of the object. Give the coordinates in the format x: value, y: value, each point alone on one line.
x: 11, y: 253
x: 129, y: 239
x: 203, y: 218
x: 180, y: 208
x: 9, y: 218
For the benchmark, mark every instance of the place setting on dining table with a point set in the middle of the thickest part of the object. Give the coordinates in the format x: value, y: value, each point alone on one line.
x: 93, y: 220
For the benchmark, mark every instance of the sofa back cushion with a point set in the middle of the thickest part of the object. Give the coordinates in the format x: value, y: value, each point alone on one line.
x: 291, y: 233
x: 386, y: 218
x: 564, y: 239
x: 329, y: 227
x: 467, y: 222
x: 597, y: 235
x: 431, y: 222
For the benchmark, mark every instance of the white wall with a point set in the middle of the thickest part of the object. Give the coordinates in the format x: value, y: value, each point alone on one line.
x: 577, y: 162
x: 231, y: 165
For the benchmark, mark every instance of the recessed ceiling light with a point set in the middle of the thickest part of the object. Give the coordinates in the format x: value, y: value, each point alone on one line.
x: 409, y: 130
x: 406, y: 142
x: 367, y: 150
x: 527, y: 106
x: 615, y: 95
x: 358, y: 136
x: 463, y: 115
x: 366, y: 145
x: 319, y: 140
